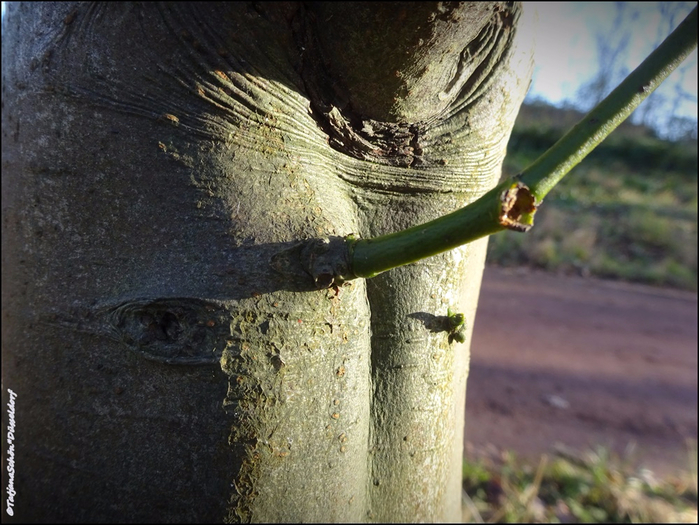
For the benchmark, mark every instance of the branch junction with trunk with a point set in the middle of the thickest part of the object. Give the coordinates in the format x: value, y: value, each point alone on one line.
x: 513, y: 203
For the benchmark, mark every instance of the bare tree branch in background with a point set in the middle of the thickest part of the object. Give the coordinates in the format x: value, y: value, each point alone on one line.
x: 613, y: 43
x: 612, y: 48
x: 660, y: 111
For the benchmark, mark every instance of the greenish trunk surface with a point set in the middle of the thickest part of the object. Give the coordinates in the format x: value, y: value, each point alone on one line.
x: 164, y: 168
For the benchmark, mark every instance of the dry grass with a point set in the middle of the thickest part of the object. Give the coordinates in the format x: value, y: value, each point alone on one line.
x: 594, y: 487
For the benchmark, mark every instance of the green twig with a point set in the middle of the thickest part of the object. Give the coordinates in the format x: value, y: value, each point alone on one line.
x: 513, y: 203
x: 486, y: 216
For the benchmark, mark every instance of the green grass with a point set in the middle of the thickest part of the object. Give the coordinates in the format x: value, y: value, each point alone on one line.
x: 628, y: 211
x: 595, y: 487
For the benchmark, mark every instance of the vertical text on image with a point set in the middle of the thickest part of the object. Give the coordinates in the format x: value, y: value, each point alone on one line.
x: 9, y: 508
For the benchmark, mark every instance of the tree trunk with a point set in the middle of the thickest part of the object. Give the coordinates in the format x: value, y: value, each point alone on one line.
x: 166, y: 171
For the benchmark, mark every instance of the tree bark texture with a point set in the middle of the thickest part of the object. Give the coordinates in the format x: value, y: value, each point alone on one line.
x: 165, y: 168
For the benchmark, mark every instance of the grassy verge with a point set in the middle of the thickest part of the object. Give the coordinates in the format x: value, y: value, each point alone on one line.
x: 595, y: 487
x: 629, y: 211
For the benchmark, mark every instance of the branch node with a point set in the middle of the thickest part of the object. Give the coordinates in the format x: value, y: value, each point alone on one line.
x: 327, y: 261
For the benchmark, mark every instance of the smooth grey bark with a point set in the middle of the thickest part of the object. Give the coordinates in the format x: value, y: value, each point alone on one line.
x: 166, y: 168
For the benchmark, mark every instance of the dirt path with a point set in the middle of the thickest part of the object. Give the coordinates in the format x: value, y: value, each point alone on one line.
x: 582, y: 362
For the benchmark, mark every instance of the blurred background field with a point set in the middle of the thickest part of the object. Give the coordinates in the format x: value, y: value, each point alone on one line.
x: 595, y: 486
x: 618, y: 360
x: 563, y: 352
x: 628, y: 211
x: 601, y: 370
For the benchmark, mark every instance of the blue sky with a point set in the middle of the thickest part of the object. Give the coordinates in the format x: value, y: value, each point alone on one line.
x: 566, y: 52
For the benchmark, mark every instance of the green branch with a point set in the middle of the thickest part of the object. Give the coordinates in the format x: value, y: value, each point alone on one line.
x: 513, y: 203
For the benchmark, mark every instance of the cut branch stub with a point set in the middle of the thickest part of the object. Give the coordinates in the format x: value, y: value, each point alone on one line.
x: 518, y: 207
